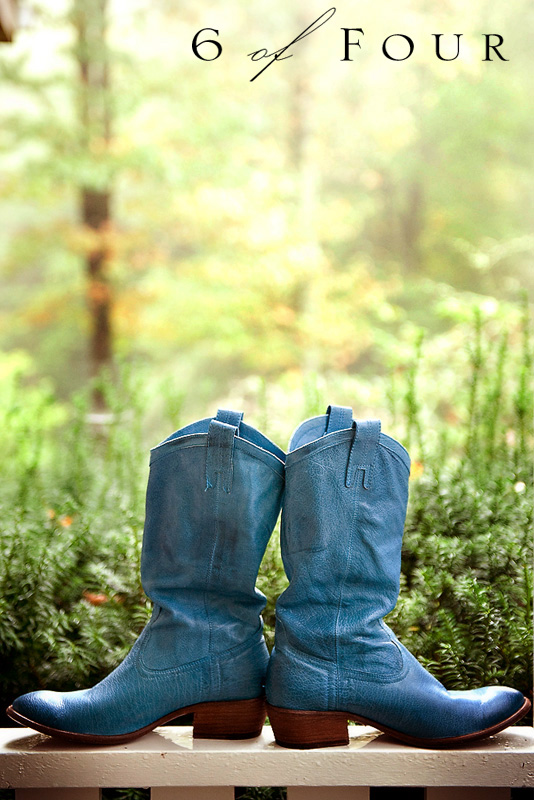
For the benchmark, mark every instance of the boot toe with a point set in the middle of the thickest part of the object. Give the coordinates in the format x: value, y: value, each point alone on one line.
x: 493, y: 705
x: 44, y: 707
x: 69, y: 712
x: 499, y: 703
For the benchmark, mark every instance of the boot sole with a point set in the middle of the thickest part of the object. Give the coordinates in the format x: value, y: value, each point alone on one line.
x: 304, y: 730
x: 231, y: 719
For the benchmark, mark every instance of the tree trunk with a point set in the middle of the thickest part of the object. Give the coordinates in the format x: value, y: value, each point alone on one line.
x: 8, y: 20
x: 95, y: 214
x: 89, y: 18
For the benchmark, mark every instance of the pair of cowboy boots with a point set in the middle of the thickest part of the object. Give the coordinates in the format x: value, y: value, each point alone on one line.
x: 214, y: 494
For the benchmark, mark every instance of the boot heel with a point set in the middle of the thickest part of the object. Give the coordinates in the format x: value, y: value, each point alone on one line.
x: 308, y: 729
x: 232, y: 719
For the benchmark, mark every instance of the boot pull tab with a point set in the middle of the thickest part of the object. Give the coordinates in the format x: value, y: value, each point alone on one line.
x: 338, y: 418
x: 220, y: 455
x: 230, y: 417
x: 362, y: 451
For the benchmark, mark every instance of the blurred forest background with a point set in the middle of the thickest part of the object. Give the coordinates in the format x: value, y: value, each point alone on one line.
x: 218, y: 233
x: 175, y: 238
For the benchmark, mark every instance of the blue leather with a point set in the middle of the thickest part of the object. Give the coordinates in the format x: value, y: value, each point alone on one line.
x: 342, y: 524
x: 213, y: 498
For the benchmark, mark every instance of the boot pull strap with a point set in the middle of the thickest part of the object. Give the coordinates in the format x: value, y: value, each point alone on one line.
x: 338, y: 418
x: 363, y: 451
x: 230, y: 417
x: 220, y: 455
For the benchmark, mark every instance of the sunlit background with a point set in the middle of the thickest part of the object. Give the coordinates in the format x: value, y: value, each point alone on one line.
x: 257, y: 242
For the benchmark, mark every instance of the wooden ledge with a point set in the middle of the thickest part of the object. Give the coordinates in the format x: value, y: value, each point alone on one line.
x: 169, y: 756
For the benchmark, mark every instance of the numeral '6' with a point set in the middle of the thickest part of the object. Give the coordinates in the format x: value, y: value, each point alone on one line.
x: 196, y: 44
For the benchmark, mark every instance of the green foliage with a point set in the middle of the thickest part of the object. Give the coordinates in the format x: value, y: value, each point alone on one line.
x: 71, y: 504
x: 271, y: 581
x: 72, y: 514
x: 261, y: 793
x: 466, y: 597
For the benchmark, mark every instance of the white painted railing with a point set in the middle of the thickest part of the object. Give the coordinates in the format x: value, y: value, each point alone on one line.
x: 178, y: 767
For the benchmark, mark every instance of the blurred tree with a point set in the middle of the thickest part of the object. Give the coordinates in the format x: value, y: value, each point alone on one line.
x: 92, y: 55
x: 7, y: 20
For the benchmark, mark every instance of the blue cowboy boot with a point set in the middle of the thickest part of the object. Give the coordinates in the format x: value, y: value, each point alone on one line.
x: 213, y: 497
x: 334, y: 658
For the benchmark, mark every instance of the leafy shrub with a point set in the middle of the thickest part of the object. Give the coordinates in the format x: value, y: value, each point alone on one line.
x: 72, y: 505
x: 466, y: 596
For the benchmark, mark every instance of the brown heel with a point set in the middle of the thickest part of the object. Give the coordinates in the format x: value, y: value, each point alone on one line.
x: 232, y: 719
x: 308, y: 729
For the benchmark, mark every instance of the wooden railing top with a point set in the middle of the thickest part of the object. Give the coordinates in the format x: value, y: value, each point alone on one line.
x: 169, y: 756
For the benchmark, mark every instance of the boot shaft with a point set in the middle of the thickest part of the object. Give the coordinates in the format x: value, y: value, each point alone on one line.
x: 342, y: 525
x: 213, y: 497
